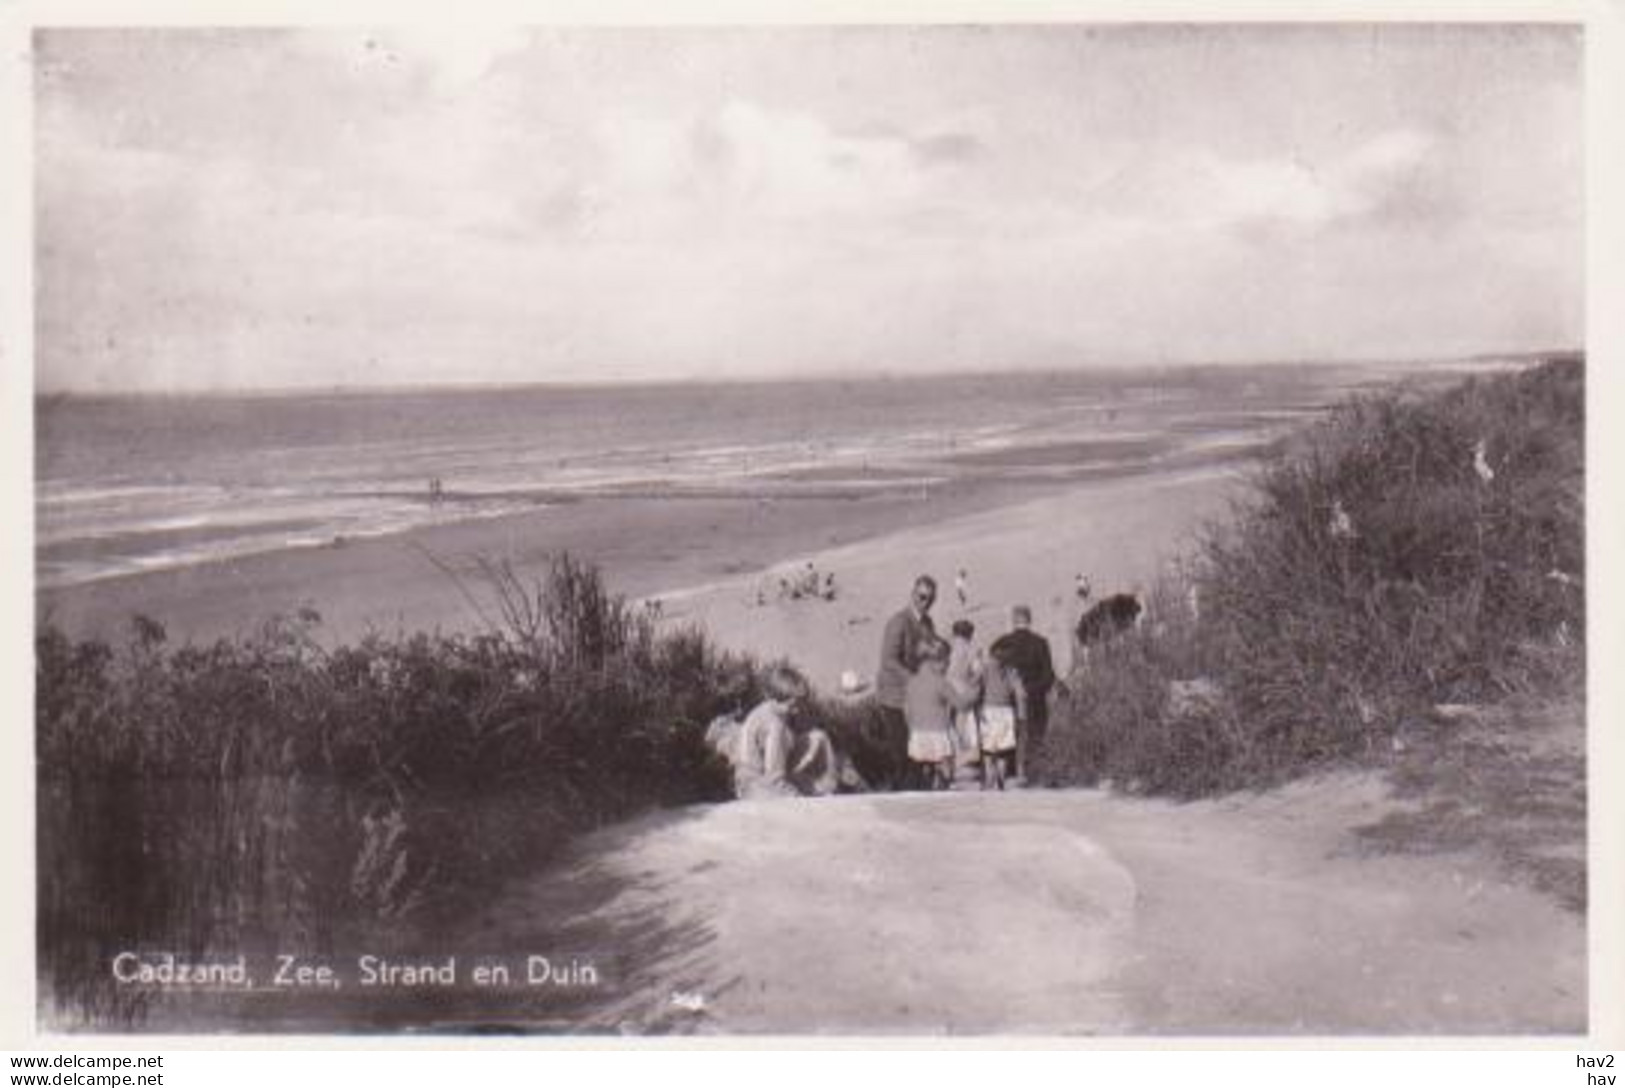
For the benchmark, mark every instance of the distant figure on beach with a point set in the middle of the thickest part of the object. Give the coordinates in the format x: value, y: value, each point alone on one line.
x: 437, y: 491
x: 965, y: 669
x: 930, y: 706
x: 774, y: 759
x: 1029, y: 654
x: 900, y: 644
x: 962, y: 587
x: 1082, y: 590
x: 806, y: 584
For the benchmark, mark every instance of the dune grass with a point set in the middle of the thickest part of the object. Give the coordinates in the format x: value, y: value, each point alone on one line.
x: 1410, y: 551
x: 268, y: 793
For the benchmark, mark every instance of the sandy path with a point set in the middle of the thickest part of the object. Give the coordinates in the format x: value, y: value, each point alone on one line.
x: 1046, y: 913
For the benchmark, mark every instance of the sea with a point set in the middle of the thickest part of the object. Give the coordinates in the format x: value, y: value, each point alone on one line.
x: 133, y: 483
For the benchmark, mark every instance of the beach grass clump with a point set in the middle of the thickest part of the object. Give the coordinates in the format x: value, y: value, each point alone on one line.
x: 267, y: 792
x: 1410, y: 550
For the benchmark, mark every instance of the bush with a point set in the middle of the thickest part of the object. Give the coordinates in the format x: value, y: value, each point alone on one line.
x: 264, y: 792
x: 1407, y: 551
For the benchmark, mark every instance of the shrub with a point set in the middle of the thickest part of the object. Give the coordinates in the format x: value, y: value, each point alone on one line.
x: 266, y: 792
x: 1406, y: 551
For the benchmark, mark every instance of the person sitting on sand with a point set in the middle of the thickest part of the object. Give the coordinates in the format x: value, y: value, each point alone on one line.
x: 817, y: 768
x: 929, y: 707
x: 775, y: 760
x: 724, y: 731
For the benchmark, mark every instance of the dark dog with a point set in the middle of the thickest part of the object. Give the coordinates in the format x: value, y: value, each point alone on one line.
x: 1108, y: 618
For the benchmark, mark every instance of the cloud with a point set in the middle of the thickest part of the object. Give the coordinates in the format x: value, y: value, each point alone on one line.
x: 745, y: 163
x: 283, y: 206
x: 793, y: 164
x: 949, y: 147
x: 1388, y: 175
x: 451, y: 56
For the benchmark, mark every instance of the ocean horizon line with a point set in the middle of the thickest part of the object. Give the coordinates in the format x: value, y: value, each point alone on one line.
x: 1106, y: 369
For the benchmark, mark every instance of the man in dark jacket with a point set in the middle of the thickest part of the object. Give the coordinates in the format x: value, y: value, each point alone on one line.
x: 900, y: 646
x: 1028, y: 653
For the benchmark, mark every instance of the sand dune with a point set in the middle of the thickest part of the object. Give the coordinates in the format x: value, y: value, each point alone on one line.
x: 1065, y: 912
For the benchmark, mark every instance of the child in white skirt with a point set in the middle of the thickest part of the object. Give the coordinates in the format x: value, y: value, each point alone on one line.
x: 928, y: 706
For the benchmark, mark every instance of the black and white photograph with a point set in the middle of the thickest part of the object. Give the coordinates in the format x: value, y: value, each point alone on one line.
x: 925, y: 530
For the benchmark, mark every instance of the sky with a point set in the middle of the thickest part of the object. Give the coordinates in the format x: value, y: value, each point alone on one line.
x: 236, y: 209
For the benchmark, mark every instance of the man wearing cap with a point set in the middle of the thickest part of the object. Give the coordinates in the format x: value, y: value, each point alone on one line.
x: 905, y: 633
x: 1028, y: 653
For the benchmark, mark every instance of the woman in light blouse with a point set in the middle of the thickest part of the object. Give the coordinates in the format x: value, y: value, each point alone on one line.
x: 773, y: 760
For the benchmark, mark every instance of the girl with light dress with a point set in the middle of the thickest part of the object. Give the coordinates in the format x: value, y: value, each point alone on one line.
x: 928, y: 706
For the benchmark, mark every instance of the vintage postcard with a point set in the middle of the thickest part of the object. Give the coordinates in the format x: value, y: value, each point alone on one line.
x: 1045, y: 528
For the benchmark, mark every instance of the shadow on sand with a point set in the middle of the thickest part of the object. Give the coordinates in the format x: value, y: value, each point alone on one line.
x: 589, y: 945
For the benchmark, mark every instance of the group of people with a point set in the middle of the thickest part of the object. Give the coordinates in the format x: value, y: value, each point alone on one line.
x: 945, y: 706
x: 806, y: 584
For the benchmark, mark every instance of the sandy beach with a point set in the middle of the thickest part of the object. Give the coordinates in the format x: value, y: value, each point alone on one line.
x: 1121, y: 534
x: 705, y: 558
